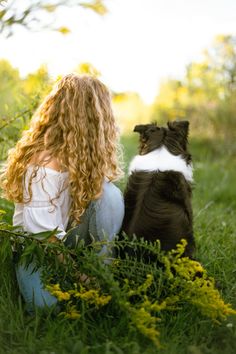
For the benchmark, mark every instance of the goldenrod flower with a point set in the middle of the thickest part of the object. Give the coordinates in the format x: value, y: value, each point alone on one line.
x: 71, y: 313
x: 58, y: 293
x: 92, y: 296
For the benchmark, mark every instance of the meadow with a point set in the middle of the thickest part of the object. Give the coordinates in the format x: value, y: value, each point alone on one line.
x: 183, y: 332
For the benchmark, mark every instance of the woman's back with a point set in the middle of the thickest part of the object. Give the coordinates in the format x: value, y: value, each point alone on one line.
x: 49, y: 204
x: 62, y: 168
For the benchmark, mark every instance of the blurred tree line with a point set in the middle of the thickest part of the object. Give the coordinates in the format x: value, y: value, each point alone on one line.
x: 19, y: 97
x: 129, y: 110
x: 206, y: 95
x: 41, y: 14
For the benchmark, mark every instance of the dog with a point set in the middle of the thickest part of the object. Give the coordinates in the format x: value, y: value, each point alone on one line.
x: 158, y: 192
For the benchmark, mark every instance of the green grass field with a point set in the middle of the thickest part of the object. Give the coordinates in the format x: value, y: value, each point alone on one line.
x: 214, y: 205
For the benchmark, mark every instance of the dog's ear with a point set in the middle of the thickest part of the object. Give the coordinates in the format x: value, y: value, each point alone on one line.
x: 182, y: 127
x: 140, y: 128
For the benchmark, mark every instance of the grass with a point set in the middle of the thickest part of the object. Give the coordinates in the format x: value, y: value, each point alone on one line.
x: 214, y: 205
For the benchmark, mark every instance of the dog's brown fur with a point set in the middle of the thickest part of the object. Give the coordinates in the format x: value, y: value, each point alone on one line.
x: 158, y: 204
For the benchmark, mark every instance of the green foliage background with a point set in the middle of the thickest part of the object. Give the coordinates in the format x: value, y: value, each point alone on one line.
x: 182, y: 332
x: 206, y: 96
x: 207, y: 93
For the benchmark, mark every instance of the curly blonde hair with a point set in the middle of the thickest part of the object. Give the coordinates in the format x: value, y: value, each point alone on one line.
x: 76, y: 125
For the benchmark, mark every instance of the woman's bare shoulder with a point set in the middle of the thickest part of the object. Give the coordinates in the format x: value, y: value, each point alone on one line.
x: 53, y: 164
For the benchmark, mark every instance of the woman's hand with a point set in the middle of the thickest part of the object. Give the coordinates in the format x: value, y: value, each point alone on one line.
x: 54, y: 239
x: 83, y: 278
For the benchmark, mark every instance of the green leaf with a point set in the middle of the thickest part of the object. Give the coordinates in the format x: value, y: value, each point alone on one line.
x: 45, y: 234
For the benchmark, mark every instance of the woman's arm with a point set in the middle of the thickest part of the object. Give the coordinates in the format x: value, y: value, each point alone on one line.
x: 43, y: 212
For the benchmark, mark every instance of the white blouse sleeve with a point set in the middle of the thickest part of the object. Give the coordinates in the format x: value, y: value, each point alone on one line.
x: 43, y: 212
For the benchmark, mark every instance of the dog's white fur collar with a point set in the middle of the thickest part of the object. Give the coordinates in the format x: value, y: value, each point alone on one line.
x: 161, y: 160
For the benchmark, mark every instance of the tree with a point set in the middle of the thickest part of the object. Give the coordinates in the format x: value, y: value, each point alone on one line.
x: 9, y: 88
x: 170, y: 101
x: 88, y: 68
x: 207, y: 93
x: 222, y: 59
x: 38, y: 14
x: 129, y: 110
x: 36, y: 85
x: 18, y: 100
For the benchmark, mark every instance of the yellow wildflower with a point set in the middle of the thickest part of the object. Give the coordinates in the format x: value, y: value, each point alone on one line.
x: 92, y: 296
x: 58, y: 293
x: 146, y: 284
x: 116, y: 262
x: 146, y: 324
x: 72, y: 313
x: 62, y: 296
x: 141, y: 289
x: 180, y: 248
x: 165, y: 260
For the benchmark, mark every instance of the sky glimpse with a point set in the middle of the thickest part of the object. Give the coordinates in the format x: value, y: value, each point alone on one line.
x: 135, y: 46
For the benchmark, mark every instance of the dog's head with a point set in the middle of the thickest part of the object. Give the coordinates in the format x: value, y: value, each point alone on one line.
x: 174, y: 137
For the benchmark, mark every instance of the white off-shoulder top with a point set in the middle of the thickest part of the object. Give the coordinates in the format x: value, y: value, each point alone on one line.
x: 50, y: 203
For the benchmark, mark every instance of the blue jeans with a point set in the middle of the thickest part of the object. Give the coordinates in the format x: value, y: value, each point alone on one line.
x: 102, y: 220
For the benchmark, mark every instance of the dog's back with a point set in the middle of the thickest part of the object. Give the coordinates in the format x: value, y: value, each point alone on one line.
x: 158, y: 198
x: 157, y: 206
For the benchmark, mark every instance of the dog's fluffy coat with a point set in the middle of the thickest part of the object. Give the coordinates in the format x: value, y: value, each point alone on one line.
x: 158, y: 192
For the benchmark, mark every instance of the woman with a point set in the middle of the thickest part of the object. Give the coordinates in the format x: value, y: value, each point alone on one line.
x: 62, y: 169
